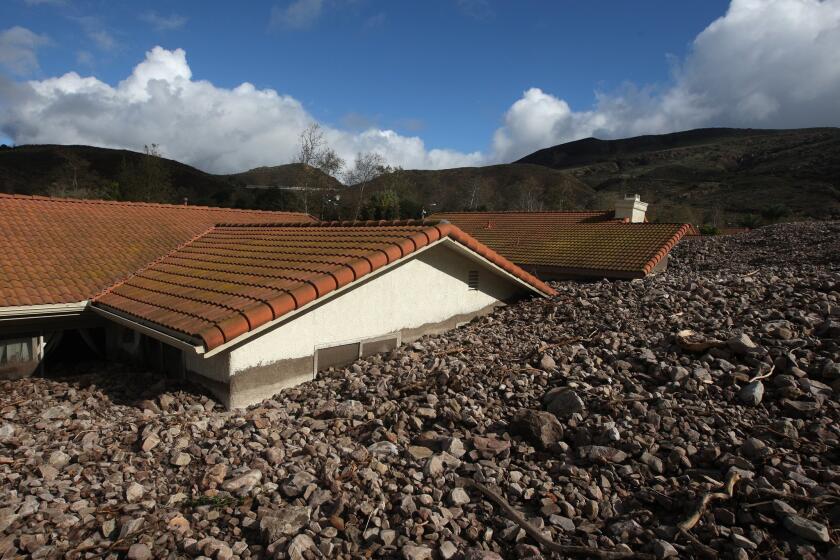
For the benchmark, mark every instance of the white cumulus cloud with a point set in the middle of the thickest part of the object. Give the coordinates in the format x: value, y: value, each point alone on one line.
x: 764, y: 64
x: 216, y: 129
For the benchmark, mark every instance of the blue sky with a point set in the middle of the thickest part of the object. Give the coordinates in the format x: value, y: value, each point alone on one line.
x: 446, y: 72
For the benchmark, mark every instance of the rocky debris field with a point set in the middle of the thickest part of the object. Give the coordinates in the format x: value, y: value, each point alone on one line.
x: 689, y: 415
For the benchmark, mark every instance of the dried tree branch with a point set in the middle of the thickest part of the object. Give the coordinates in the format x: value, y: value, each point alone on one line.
x: 544, y: 541
x: 692, y: 519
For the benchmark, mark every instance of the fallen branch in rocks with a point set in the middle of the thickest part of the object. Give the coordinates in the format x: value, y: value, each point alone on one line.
x: 544, y: 541
x: 763, y: 376
x: 704, y: 549
x: 692, y: 519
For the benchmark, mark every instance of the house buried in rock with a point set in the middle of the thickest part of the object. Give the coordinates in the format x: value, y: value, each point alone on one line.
x: 560, y: 245
x: 244, y: 309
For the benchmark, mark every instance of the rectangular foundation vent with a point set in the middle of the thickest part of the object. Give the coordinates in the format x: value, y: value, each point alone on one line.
x: 472, y: 280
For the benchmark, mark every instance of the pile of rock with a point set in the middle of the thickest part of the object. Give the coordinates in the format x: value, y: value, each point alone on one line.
x: 587, y: 414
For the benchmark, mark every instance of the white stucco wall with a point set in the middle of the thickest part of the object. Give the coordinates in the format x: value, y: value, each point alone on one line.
x: 428, y: 288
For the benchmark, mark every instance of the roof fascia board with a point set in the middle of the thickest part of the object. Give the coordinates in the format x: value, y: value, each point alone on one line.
x: 14, y: 312
x: 149, y: 331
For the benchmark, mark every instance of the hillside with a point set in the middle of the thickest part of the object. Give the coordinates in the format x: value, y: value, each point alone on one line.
x: 494, y: 187
x: 701, y: 172
x: 97, y: 172
x: 722, y: 176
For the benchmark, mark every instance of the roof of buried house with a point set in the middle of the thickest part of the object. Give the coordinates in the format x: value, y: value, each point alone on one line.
x: 58, y: 250
x: 601, y: 249
x: 236, y: 278
x: 471, y: 221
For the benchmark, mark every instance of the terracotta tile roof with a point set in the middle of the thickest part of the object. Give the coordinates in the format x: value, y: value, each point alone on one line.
x: 470, y: 221
x: 236, y: 278
x: 56, y: 250
x: 612, y: 249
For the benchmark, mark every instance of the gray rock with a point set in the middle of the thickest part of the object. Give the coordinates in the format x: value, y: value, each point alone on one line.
x: 741, y: 344
x: 563, y: 402
x: 180, y: 459
x: 752, y: 393
x: 447, y: 550
x: 807, y: 529
x: 283, y: 522
x: 297, y: 484
x: 244, y: 483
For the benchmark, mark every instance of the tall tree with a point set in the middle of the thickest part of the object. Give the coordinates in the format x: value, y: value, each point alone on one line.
x: 316, y: 155
x: 147, y: 180
x: 367, y: 167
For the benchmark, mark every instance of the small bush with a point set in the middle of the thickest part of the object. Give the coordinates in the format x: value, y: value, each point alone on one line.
x: 708, y: 229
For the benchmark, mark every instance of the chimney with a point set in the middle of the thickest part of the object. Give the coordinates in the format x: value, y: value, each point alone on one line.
x: 631, y: 209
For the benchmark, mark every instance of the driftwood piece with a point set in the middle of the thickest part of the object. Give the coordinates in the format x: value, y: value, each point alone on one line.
x: 707, y: 498
x: 545, y: 542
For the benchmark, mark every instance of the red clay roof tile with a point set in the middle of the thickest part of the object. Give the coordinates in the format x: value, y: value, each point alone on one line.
x: 278, y: 268
x: 55, y: 250
x: 555, y: 240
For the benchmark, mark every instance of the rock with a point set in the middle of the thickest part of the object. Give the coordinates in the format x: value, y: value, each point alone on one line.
x: 299, y: 545
x: 134, y: 492
x: 540, y: 427
x: 383, y: 449
x: 663, y: 549
x: 151, y: 441
x: 214, y: 476
x: 350, y: 409
x: 131, y: 526
x: 458, y: 497
x: 412, y: 552
x: 807, y: 529
x: 180, y: 459
x: 489, y: 447
x: 752, y: 393
x: 275, y: 455
x: 563, y: 402
x: 178, y: 524
x: 419, y: 452
x: 447, y: 550
x: 283, y: 522
x: 547, y: 363
x: 753, y: 447
x: 7, y: 430
x: 454, y: 447
x: 741, y: 344
x: 242, y: 484
x: 803, y: 408
x: 297, y: 484
x: 782, y: 508
x: 603, y: 454
x: 58, y: 459
x: 139, y: 551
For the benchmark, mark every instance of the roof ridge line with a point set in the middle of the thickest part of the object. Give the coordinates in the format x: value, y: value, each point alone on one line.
x: 342, y: 223
x: 146, y: 204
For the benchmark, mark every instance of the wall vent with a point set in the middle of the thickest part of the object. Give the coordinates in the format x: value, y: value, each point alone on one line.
x: 472, y: 280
